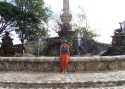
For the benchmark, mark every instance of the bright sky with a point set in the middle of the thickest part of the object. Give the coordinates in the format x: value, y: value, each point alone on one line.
x: 102, y: 15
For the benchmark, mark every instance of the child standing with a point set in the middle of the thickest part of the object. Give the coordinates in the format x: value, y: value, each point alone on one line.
x: 64, y: 56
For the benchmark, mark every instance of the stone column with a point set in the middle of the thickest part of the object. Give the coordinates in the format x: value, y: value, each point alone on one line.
x: 66, y: 18
x: 66, y: 6
x: 66, y: 15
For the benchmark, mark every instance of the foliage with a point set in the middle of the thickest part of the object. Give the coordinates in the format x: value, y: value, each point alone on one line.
x: 8, y: 15
x: 82, y: 30
x: 82, y: 27
x: 33, y: 19
x: 85, y: 33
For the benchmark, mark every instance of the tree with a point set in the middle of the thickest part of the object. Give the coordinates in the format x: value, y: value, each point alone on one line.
x: 85, y: 33
x: 82, y: 27
x: 32, y: 20
x: 8, y: 16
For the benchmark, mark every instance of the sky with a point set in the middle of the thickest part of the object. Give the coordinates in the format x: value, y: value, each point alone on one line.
x: 103, y: 15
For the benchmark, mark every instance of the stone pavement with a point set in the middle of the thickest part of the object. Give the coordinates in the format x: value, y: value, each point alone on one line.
x: 73, y: 80
x: 34, y: 77
x: 117, y: 87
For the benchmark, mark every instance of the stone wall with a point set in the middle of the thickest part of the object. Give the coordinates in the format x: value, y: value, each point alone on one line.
x: 51, y: 64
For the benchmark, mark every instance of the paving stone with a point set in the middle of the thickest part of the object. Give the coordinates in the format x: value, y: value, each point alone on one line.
x: 106, y: 80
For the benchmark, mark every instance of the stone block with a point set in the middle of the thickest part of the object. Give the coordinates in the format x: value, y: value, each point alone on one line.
x: 76, y: 67
x: 122, y: 65
x: 115, y: 65
x: 51, y: 64
x: 95, y: 66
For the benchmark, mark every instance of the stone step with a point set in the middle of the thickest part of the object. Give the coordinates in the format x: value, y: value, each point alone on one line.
x: 51, y: 64
x: 33, y: 80
x: 114, y: 87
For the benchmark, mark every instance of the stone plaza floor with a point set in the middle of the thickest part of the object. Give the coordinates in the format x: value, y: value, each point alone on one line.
x: 98, y: 80
x: 34, y: 77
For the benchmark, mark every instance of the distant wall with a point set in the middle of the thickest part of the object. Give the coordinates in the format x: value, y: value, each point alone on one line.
x: 51, y: 64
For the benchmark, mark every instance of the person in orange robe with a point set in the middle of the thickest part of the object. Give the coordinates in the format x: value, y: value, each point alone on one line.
x: 64, y: 56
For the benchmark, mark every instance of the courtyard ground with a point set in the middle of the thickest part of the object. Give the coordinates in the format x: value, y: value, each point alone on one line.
x: 34, y: 80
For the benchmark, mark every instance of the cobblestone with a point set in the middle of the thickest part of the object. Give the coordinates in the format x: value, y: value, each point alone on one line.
x: 34, y: 77
x: 116, y: 87
x: 115, y: 77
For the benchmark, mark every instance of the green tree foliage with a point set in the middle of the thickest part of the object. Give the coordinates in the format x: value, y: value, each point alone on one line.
x: 8, y: 15
x: 85, y: 32
x: 32, y: 20
x: 82, y: 27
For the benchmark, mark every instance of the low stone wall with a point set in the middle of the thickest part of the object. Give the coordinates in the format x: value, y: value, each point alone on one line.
x: 51, y: 64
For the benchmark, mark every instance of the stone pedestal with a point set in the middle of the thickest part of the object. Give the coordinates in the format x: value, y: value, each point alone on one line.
x: 7, y: 46
x: 118, y: 44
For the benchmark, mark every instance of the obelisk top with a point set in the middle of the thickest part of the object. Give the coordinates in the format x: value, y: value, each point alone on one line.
x: 66, y: 16
x: 66, y: 6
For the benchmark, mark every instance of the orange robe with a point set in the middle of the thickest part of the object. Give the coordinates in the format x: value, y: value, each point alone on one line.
x: 64, y: 59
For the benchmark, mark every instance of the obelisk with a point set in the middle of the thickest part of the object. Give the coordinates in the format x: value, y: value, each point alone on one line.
x: 65, y: 19
x: 64, y: 34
